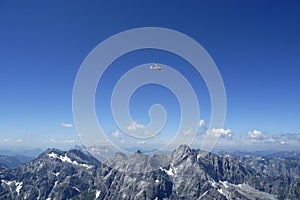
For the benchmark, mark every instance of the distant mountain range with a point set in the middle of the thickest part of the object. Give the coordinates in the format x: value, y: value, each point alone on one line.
x: 270, y: 154
x: 32, y: 153
x: 182, y: 174
x: 14, y: 161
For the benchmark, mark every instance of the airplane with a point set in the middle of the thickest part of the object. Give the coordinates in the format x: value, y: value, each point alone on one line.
x: 157, y: 67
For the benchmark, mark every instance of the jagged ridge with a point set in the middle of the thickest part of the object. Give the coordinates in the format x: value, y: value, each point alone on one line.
x: 184, y: 173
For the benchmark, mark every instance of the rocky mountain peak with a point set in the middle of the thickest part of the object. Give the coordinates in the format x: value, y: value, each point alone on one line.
x: 53, y: 150
x: 181, y: 152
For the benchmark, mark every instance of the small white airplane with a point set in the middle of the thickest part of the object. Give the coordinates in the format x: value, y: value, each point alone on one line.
x: 157, y: 67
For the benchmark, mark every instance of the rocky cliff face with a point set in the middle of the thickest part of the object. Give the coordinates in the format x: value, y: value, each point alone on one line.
x: 183, y: 174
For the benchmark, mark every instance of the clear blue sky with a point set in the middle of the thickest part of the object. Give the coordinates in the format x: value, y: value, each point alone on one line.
x: 255, y: 44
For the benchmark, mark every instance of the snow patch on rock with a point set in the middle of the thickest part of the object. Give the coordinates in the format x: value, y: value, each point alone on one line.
x: 98, y: 192
x: 13, y: 185
x: 65, y: 158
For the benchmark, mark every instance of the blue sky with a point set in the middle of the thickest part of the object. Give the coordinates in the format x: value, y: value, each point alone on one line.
x: 255, y: 45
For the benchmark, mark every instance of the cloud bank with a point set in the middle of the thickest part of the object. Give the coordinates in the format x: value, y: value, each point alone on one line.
x: 66, y: 125
x: 220, y: 132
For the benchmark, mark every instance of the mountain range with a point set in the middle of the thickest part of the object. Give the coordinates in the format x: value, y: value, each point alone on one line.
x: 184, y: 173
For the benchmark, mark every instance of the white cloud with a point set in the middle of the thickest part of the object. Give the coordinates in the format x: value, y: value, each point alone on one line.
x: 66, y: 125
x: 220, y: 132
x: 134, y: 126
x: 141, y: 142
x: 187, y: 132
x: 282, y: 138
x: 52, y: 140
x: 116, y: 134
x: 122, y: 141
x: 65, y: 141
x: 202, y: 124
x: 287, y: 136
x: 11, y: 141
x: 202, y: 127
x: 256, y: 135
x: 284, y: 142
x: 140, y: 130
x: 69, y: 141
x: 148, y: 133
